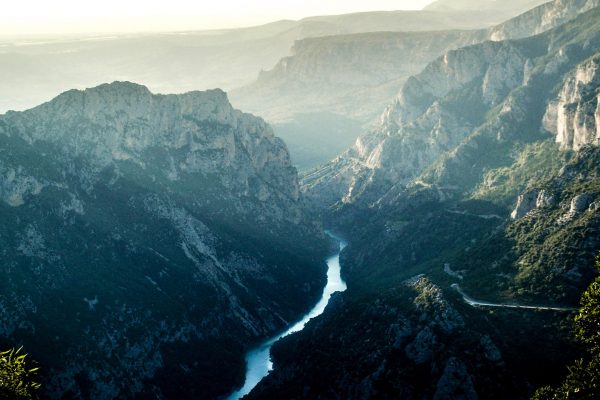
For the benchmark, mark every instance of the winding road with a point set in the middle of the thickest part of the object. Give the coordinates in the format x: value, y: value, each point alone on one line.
x: 478, y: 303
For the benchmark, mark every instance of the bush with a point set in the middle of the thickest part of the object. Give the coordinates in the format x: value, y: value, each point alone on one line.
x: 583, y: 380
x: 18, y: 376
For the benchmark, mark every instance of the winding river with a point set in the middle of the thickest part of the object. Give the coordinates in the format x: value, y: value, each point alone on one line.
x: 258, y: 360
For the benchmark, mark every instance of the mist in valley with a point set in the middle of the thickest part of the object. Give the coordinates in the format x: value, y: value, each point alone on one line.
x: 310, y: 200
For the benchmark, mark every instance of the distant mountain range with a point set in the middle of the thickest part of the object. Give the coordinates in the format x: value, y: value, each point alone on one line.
x: 350, y: 78
x: 432, y: 113
x: 503, y: 6
x: 36, y: 70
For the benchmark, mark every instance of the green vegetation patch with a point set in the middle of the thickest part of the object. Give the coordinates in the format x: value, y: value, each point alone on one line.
x: 18, y: 376
x: 533, y: 165
x: 583, y: 379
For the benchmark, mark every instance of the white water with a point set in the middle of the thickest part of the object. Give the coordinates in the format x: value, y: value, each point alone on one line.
x: 258, y: 360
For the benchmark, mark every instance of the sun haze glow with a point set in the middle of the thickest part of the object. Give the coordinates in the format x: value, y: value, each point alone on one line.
x: 33, y: 17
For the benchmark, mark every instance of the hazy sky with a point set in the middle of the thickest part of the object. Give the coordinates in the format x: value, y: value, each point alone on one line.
x: 32, y: 17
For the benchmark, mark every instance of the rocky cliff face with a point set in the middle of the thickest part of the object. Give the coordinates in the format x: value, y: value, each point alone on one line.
x: 422, y: 124
x: 346, y: 78
x: 121, y: 122
x: 322, y: 69
x: 438, y: 109
x: 148, y: 239
x: 355, y: 76
x: 575, y: 116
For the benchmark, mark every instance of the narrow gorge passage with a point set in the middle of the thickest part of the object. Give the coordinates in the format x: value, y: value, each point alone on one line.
x: 258, y: 360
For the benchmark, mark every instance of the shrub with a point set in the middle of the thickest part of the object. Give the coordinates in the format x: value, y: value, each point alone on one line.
x: 583, y: 380
x: 18, y: 376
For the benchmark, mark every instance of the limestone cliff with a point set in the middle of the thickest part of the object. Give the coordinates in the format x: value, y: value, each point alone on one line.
x: 353, y: 77
x: 442, y: 116
x: 574, y: 117
x: 422, y: 124
x: 147, y: 240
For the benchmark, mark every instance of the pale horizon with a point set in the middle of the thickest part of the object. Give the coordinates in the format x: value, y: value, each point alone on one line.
x: 59, y: 17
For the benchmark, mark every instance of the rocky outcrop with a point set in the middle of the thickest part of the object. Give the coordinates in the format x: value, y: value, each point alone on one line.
x: 545, y: 199
x: 531, y: 200
x: 579, y: 205
x: 431, y: 302
x: 141, y: 225
x: 525, y: 203
x: 575, y: 116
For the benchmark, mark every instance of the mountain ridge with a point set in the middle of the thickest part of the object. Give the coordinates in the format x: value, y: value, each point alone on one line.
x: 465, y: 5
x: 355, y: 76
x: 420, y: 106
x: 148, y: 231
